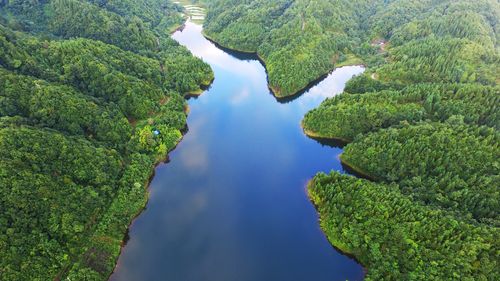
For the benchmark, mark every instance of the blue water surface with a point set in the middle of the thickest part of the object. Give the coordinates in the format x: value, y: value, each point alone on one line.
x: 231, y: 205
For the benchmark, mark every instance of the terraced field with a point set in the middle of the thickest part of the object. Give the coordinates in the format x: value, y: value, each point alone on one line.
x: 195, y: 13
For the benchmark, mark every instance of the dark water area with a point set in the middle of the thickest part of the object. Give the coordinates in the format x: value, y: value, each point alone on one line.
x: 231, y: 205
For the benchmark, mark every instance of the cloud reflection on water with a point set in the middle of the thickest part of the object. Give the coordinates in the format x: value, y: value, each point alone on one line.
x: 215, y: 56
x: 231, y: 203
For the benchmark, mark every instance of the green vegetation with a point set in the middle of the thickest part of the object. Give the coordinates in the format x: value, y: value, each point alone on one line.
x: 424, y: 124
x: 423, y: 121
x: 450, y: 165
x: 348, y: 115
x: 91, y: 98
x: 301, y: 40
x: 400, y: 239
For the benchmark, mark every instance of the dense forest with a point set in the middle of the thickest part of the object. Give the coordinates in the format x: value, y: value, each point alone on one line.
x: 302, y: 40
x: 422, y: 123
x: 400, y: 239
x: 91, y: 98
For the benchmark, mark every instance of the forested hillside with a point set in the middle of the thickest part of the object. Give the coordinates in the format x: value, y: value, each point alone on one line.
x: 424, y: 126
x: 400, y: 239
x: 301, y: 40
x: 422, y: 123
x: 91, y: 98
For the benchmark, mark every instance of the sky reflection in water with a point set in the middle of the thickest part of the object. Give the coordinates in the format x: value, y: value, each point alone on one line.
x: 231, y: 204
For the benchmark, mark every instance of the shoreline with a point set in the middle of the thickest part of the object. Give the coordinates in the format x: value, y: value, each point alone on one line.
x: 356, y: 171
x: 350, y: 168
x: 336, y: 245
x: 205, y: 85
x: 300, y: 92
x: 275, y: 92
x: 159, y: 161
x: 165, y: 159
x: 147, y: 187
x: 317, y: 136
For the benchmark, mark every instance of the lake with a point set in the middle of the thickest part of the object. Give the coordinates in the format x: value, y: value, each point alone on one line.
x: 231, y: 204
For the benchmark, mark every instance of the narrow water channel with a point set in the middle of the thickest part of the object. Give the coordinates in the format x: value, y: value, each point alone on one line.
x: 231, y: 204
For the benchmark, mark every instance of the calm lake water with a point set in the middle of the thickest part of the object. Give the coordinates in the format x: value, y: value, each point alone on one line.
x: 232, y: 205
